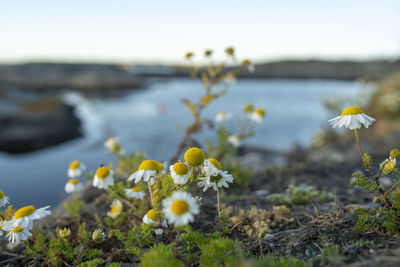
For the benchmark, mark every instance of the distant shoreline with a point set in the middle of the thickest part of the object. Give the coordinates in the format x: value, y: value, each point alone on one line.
x: 88, y: 77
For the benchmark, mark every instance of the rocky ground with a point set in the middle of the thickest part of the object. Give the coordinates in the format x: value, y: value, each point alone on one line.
x: 292, y: 230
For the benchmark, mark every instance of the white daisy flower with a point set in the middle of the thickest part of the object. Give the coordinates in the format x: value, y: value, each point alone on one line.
x: 116, y: 209
x: 135, y: 192
x: 147, y: 171
x: 221, y: 180
x: 223, y: 117
x: 3, y: 199
x: 64, y: 233
x: 180, y: 208
x: 17, y: 234
x: 234, y: 140
x: 180, y: 172
x: 230, y: 79
x: 76, y: 169
x: 111, y: 141
x: 1, y: 227
x: 352, y: 118
x: 159, y: 231
x: 73, y: 185
x: 103, y: 178
x: 98, y: 235
x: 150, y: 217
x: 248, y: 108
x: 247, y: 64
x: 26, y: 215
x: 390, y: 164
x: 211, y: 166
x: 257, y: 115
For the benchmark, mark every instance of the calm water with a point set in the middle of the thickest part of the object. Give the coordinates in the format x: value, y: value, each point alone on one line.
x: 150, y: 119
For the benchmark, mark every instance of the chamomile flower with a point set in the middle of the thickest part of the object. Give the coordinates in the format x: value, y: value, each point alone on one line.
x: 73, y: 185
x: 26, y: 215
x: 180, y: 172
x: 390, y: 164
x: 235, y: 140
x: 257, y: 115
x: 352, y: 118
x: 248, y: 108
x: 223, y: 117
x: 211, y: 166
x: 116, y: 209
x: 394, y: 153
x: 64, y: 233
x: 247, y: 64
x: 229, y: 78
x: 1, y: 227
x: 180, y: 208
x: 135, y: 192
x: 3, y: 199
x: 220, y: 179
x: 150, y: 217
x: 98, y: 235
x: 147, y: 171
x: 76, y: 169
x: 111, y: 141
x: 17, y: 234
x: 103, y: 178
x: 194, y: 157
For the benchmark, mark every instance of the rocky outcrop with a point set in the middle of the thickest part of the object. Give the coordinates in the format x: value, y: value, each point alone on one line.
x: 82, y: 77
x: 30, y: 126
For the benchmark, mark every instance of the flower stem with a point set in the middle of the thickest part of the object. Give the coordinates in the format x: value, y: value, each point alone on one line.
x: 151, y: 195
x: 218, y: 204
x: 358, y: 143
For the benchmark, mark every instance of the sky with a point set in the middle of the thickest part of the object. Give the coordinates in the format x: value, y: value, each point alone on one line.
x: 162, y: 31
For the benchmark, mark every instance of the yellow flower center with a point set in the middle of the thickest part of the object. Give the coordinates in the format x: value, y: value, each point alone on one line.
x: 390, y: 165
x: 230, y: 51
x: 260, y: 112
x: 25, y: 211
x: 179, y: 207
x: 65, y: 233
x: 73, y: 181
x: 394, y: 153
x: 188, y: 55
x: 194, y: 156
x: 207, y: 53
x: 248, y: 108
x: 352, y: 111
x: 102, y: 172
x: 1, y: 194
x: 17, y: 229
x: 181, y: 168
x: 152, y: 215
x: 161, y: 166
x: 116, y: 209
x: 215, y: 162
x: 74, y: 165
x: 136, y: 189
x: 150, y: 165
x: 246, y: 62
x: 115, y: 147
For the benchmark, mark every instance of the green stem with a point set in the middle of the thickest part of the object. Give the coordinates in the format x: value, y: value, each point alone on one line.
x: 151, y: 195
x: 218, y: 204
x: 358, y: 143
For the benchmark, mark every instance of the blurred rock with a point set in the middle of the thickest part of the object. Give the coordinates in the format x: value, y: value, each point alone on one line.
x: 82, y: 77
x: 35, y: 125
